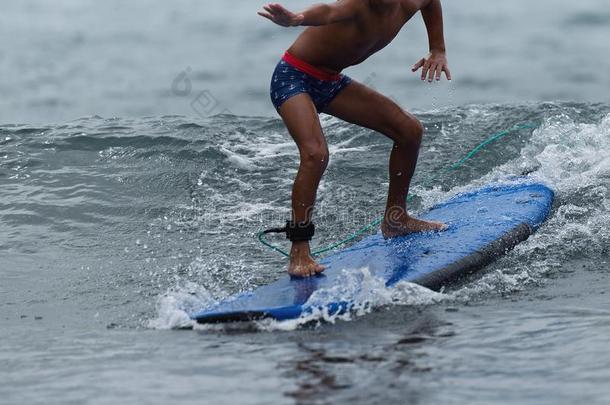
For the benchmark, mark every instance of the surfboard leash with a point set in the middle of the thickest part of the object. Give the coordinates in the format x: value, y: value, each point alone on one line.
x: 426, y: 183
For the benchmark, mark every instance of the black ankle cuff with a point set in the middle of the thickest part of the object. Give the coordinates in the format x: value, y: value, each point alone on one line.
x: 300, y: 231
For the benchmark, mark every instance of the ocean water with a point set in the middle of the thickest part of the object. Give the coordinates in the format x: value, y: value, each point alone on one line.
x: 140, y: 155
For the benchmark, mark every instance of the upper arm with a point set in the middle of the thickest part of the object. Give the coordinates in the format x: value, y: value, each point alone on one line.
x: 429, y: 5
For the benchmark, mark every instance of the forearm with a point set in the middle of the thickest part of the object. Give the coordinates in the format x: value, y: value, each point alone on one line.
x: 433, y: 18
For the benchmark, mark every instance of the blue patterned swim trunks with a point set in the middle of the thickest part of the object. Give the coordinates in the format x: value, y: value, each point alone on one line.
x: 292, y: 76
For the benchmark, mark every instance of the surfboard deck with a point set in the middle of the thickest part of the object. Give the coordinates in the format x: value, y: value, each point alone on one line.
x: 483, y: 225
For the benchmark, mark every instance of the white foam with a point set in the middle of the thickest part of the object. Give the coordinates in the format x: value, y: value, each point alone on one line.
x: 364, y: 292
x: 572, y: 158
x: 174, y: 306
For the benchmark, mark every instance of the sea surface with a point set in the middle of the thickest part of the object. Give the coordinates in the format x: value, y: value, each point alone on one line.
x: 140, y: 156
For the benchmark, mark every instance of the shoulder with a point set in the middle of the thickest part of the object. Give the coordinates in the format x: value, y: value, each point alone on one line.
x: 357, y: 6
x: 361, y: 4
x: 392, y: 5
x: 410, y: 5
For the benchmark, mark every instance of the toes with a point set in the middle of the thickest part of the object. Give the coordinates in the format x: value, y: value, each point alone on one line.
x: 441, y: 226
x: 305, y: 270
x: 301, y: 274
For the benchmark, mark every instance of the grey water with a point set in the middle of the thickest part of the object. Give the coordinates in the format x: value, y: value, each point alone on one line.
x: 140, y: 155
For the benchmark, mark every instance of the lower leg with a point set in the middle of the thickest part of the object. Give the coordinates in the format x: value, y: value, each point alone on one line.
x: 301, y: 119
x: 303, y: 199
x: 403, y: 160
x: 397, y: 221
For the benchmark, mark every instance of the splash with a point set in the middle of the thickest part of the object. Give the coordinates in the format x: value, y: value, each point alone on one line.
x: 574, y: 160
x: 364, y: 292
x: 173, y: 307
x: 571, y: 157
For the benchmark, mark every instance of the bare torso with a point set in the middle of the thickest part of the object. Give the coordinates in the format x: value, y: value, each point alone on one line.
x: 334, y: 47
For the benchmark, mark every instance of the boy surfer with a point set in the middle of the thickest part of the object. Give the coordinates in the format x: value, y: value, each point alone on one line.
x: 308, y: 80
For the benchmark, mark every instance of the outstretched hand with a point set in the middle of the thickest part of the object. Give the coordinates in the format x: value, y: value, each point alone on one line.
x: 432, y: 66
x: 279, y: 15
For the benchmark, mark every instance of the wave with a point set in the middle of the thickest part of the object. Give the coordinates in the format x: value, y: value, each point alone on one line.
x: 569, y: 151
x: 195, y: 192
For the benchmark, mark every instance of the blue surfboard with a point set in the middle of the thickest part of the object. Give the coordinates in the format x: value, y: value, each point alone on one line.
x: 483, y: 225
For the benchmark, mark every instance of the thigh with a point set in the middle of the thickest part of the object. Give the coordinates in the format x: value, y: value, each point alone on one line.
x: 361, y: 105
x: 301, y: 118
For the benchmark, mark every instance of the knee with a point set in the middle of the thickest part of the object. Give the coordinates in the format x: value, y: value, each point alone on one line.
x: 315, y: 157
x: 407, y: 130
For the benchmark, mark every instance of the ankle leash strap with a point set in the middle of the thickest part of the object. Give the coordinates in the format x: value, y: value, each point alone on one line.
x: 296, y: 231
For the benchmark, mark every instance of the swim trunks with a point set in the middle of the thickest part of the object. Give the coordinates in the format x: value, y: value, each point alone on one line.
x: 293, y: 76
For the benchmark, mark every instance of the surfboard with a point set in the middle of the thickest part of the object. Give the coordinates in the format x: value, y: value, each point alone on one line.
x: 483, y: 224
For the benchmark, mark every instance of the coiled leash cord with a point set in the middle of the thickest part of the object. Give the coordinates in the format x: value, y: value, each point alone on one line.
x: 305, y: 231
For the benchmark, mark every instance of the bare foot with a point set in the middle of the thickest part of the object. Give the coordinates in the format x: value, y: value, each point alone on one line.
x: 403, y: 224
x: 301, y: 262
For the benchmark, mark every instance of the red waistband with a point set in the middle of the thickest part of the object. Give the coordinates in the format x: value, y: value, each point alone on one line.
x: 309, y: 69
